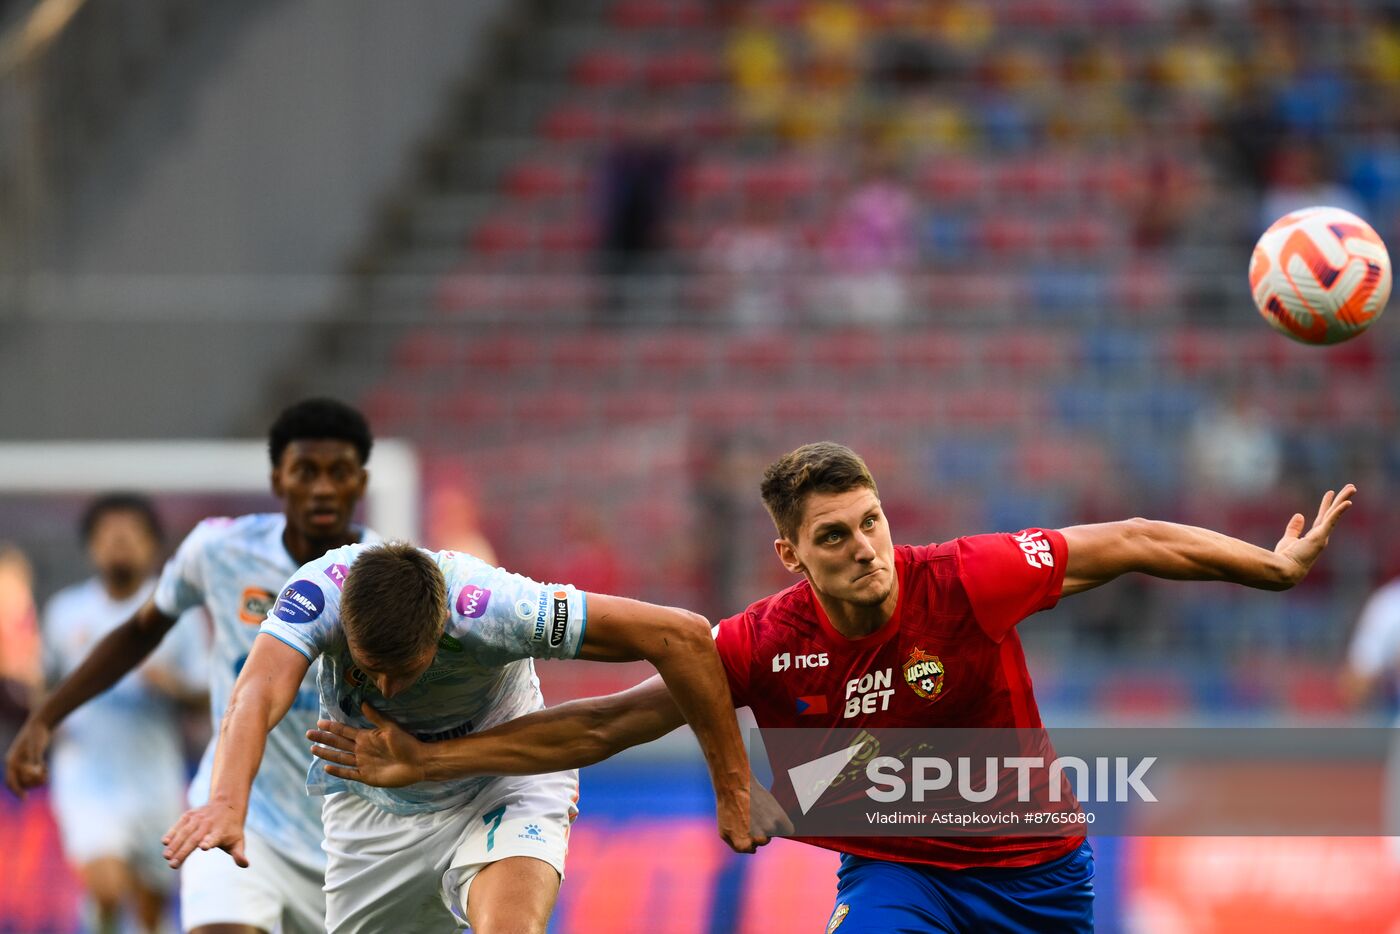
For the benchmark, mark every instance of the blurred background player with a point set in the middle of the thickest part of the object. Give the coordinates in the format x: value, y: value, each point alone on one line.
x: 1372, y: 676
x: 235, y: 568
x: 865, y: 608
x: 118, y: 763
x: 447, y: 644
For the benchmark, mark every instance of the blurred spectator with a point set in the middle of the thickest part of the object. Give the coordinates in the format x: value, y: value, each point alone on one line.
x: 869, y: 245
x: 757, y: 69
x: 118, y: 769
x: 19, y: 631
x: 1299, y: 179
x: 754, y: 261
x: 637, y: 186
x: 1372, y: 673
x: 454, y: 523
x: 1234, y: 450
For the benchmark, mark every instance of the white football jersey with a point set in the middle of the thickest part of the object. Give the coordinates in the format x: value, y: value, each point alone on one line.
x: 482, y: 675
x: 236, y: 569
x: 123, y: 746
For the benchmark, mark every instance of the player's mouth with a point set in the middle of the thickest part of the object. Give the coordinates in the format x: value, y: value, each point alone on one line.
x: 324, y: 518
x: 866, y: 575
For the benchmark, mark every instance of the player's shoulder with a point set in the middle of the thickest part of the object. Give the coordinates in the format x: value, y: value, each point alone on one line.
x: 223, y: 531
x: 792, y: 607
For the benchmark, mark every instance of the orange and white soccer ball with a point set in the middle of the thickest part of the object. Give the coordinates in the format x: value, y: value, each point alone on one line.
x: 1320, y: 275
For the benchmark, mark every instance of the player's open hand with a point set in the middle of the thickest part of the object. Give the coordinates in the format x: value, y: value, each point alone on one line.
x: 24, y: 763
x: 386, y: 756
x: 1301, y: 551
x: 216, y: 824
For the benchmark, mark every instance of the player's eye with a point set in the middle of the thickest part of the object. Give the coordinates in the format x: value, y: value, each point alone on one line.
x: 870, y: 522
x: 831, y: 538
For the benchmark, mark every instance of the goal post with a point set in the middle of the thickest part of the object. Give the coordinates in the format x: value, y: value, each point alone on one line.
x: 392, y: 503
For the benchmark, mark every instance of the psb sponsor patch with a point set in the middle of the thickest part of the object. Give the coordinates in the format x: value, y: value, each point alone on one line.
x: 472, y: 601
x: 924, y: 673
x: 254, y: 604
x: 837, y: 917
x: 560, y: 622
x: 301, y: 602
x: 354, y: 677
x: 337, y: 572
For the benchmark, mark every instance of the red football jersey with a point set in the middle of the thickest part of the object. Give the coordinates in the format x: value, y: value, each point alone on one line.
x: 949, y: 657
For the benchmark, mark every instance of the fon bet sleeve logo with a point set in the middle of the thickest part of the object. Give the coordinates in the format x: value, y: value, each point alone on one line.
x: 301, y: 602
x: 1036, y: 549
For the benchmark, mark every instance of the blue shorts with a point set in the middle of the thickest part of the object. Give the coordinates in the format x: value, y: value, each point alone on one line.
x: 875, y: 896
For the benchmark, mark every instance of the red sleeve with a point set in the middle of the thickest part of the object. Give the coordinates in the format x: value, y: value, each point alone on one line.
x: 733, y: 639
x: 1008, y: 577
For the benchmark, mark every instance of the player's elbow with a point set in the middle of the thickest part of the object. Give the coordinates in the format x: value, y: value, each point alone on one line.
x: 684, y: 632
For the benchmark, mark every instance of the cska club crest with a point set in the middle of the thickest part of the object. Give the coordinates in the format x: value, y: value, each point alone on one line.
x: 924, y: 673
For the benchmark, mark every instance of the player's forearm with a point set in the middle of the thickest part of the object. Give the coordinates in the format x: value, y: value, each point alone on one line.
x: 119, y: 652
x: 690, y: 666
x: 1184, y: 552
x: 242, y: 738
x: 569, y: 736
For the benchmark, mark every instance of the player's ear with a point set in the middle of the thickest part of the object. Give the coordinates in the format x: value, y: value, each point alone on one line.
x: 787, y: 554
x: 276, y: 481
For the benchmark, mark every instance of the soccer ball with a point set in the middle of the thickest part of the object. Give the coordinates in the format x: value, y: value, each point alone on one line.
x: 1320, y: 275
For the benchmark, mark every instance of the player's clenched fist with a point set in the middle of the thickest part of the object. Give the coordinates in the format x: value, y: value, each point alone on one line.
x: 216, y: 824
x: 24, y: 763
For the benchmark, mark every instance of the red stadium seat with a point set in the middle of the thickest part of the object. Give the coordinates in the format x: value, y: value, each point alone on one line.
x: 558, y: 408
x: 651, y: 14
x: 672, y: 357
x: 573, y: 123
x: 953, y: 180
x: 682, y: 67
x: 605, y: 68
x: 848, y: 352
x: 766, y: 357
x: 543, y: 178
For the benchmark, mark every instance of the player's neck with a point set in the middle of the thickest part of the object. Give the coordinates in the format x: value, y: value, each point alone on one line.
x: 303, y: 548
x: 854, y: 621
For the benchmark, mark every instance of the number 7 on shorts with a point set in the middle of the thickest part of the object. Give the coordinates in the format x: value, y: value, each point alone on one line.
x: 494, y: 819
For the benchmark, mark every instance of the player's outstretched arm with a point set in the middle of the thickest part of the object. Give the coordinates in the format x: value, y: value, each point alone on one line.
x: 119, y: 652
x: 1099, y: 553
x: 569, y: 736
x: 261, y: 697
x: 680, y: 646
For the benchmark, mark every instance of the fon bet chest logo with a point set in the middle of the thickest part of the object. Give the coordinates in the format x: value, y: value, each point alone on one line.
x: 924, y: 673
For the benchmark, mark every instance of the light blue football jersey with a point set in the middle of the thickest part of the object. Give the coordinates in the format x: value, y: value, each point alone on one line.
x: 482, y: 675
x: 236, y: 569
x: 123, y: 746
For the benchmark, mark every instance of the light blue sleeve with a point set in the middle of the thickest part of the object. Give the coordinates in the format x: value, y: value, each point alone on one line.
x: 306, y: 615
x: 182, y: 583
x: 504, y: 616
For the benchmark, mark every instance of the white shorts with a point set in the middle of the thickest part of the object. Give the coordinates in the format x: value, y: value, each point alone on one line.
x: 410, y: 873
x: 272, y: 891
x: 92, y: 829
